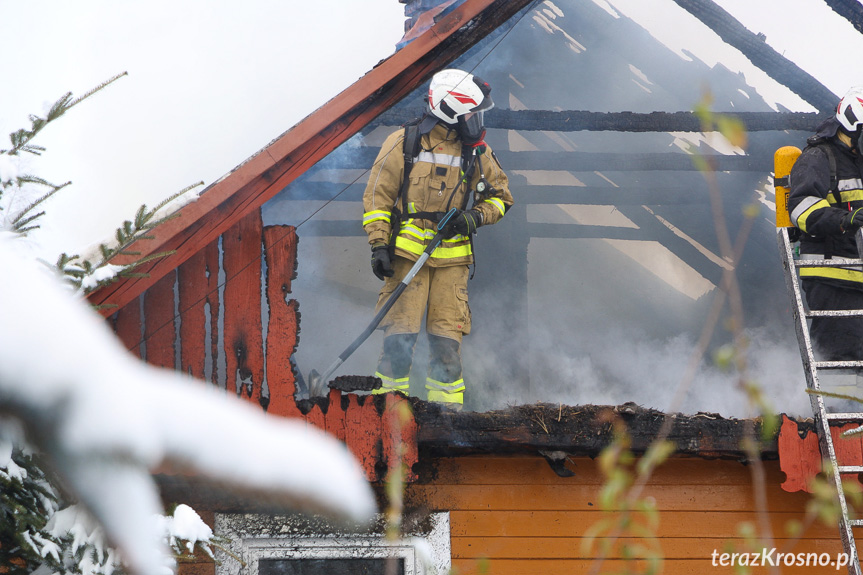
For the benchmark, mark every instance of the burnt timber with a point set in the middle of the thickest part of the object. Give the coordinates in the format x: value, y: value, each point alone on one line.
x: 581, y: 430
x: 754, y: 47
x: 851, y: 10
x: 575, y: 120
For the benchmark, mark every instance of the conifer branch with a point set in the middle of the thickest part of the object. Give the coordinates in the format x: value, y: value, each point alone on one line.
x: 83, y: 274
x: 125, y: 236
x: 31, y: 179
x: 17, y: 221
x: 20, y: 224
x: 21, y: 138
x: 98, y: 88
x: 170, y: 199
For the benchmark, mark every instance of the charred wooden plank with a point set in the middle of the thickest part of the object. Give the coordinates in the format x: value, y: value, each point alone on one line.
x: 580, y: 120
x: 851, y: 10
x: 198, y: 281
x: 755, y: 48
x: 280, y: 249
x: 578, y: 430
x: 629, y: 162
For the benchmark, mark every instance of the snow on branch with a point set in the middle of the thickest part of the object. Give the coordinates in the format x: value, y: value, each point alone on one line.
x: 105, y: 420
x: 21, y: 194
x: 91, y: 271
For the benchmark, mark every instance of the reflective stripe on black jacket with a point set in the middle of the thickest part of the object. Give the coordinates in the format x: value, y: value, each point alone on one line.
x: 817, y: 210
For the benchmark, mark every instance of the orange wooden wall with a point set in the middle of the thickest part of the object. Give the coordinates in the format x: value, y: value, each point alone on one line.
x: 514, y: 515
x: 176, y: 323
x: 244, y: 277
x: 508, y: 514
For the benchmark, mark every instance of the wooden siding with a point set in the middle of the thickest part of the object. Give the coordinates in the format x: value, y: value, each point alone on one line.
x: 207, y: 319
x: 514, y: 515
x: 800, y: 456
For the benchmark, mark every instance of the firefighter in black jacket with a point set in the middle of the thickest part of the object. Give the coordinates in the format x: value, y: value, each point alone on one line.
x: 826, y: 204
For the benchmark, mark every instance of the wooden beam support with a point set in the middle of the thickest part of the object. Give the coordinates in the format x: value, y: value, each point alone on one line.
x: 851, y: 10
x: 757, y: 161
x: 756, y: 49
x: 254, y: 182
x: 581, y: 120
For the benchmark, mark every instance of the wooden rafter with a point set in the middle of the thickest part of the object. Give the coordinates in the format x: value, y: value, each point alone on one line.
x: 851, y: 10
x: 575, y: 120
x: 590, y: 161
x: 756, y: 49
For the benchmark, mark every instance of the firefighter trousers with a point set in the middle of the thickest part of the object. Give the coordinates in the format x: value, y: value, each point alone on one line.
x: 440, y: 295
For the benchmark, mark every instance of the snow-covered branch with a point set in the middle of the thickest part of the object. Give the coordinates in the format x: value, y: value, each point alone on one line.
x: 22, y: 193
x: 104, y: 419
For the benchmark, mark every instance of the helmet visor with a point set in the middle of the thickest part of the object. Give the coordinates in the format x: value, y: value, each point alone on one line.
x: 471, y: 127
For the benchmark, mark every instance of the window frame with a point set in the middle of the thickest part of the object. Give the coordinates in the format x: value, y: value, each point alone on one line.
x: 251, y: 538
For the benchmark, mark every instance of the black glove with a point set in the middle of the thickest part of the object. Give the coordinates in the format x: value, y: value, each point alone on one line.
x: 852, y: 221
x: 381, y: 264
x: 466, y: 223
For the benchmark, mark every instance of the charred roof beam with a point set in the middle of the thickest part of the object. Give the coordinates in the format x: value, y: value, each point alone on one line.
x: 851, y: 10
x: 755, y: 48
x: 578, y: 120
x: 363, y: 158
x: 538, y: 194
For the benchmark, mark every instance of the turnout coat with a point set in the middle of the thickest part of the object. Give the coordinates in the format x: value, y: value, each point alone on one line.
x: 437, y: 183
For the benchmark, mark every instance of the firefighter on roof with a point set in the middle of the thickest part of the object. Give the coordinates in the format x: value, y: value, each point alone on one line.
x: 422, y: 171
x: 826, y: 204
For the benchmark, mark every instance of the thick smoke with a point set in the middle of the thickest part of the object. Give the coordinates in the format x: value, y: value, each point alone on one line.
x: 595, y: 286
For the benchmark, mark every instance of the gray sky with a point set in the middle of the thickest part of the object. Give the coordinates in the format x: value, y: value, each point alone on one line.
x: 213, y: 81
x: 210, y: 83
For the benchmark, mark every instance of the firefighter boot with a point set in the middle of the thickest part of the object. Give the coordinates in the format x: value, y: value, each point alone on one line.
x: 394, y: 365
x: 444, y: 382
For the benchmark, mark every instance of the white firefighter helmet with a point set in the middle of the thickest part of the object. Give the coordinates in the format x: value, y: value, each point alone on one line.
x: 455, y: 93
x: 850, y: 109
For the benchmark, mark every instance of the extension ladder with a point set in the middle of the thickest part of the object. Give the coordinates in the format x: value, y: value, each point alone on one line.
x: 811, y: 367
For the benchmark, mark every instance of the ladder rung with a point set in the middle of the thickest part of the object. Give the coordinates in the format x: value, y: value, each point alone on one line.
x: 836, y: 364
x: 851, y: 469
x: 835, y: 313
x: 845, y: 417
x: 855, y: 522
